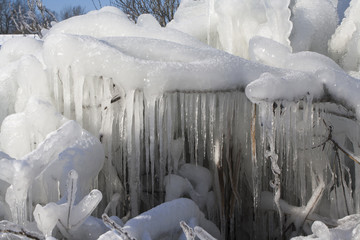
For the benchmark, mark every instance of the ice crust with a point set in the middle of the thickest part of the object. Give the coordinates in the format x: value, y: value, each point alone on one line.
x: 166, y: 117
x: 156, y: 222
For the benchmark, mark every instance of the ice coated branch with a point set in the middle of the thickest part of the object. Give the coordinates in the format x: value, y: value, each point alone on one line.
x: 10, y: 228
x: 67, y: 216
x: 192, y: 233
x: 337, y: 146
x: 298, y: 215
x: 32, y: 18
x: 189, y: 232
x: 162, y: 10
x: 116, y: 227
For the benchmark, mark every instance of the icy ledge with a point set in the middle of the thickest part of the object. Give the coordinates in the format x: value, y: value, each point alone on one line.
x: 305, y: 74
x: 127, y: 57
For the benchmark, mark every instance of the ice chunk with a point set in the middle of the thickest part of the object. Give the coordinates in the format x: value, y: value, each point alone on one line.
x: 348, y: 229
x: 199, y: 176
x: 274, y: 54
x: 69, y: 146
x: 177, y: 186
x: 344, y: 44
x: 23, y: 132
x: 239, y: 21
x: 292, y: 86
x: 320, y: 230
x: 14, y: 49
x: 194, y: 18
x: 68, y: 216
x: 8, y: 89
x: 165, y: 218
x: 147, y: 21
x: 230, y: 24
x: 314, y: 23
x: 32, y: 82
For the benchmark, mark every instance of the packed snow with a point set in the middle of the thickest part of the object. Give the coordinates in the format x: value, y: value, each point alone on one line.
x: 239, y: 119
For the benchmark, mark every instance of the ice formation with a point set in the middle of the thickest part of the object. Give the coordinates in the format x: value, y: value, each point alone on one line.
x: 344, y: 44
x: 229, y: 25
x: 236, y: 124
x: 314, y: 23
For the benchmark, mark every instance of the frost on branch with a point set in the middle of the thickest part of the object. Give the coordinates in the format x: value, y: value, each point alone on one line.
x: 68, y: 216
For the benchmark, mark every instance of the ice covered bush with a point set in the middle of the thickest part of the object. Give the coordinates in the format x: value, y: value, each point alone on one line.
x: 221, y: 111
x: 70, y: 215
x: 164, y: 221
x: 67, y: 148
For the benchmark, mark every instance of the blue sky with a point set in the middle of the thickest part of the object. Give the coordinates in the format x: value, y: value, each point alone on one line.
x: 58, y: 5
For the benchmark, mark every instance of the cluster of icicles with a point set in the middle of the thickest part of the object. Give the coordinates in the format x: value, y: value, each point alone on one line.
x: 282, y: 165
x: 155, y: 129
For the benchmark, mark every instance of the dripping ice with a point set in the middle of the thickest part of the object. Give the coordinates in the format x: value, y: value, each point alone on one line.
x: 184, y: 123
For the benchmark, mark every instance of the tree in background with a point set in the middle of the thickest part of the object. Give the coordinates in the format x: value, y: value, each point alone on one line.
x: 162, y: 10
x: 32, y: 17
x: 7, y: 25
x: 69, y: 12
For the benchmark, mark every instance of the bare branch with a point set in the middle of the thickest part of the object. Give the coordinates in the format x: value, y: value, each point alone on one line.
x: 115, y: 227
x: 32, y: 18
x: 162, y: 10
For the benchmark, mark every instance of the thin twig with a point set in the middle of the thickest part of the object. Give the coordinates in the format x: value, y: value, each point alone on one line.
x: 115, y: 227
x: 336, y: 145
x: 188, y: 231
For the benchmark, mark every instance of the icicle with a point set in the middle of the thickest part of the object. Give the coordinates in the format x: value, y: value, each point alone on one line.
x: 67, y: 91
x: 71, y: 194
x: 270, y: 129
x: 161, y: 130
x: 183, y: 124
x: 136, y: 148
x: 203, y: 123
x: 209, y: 28
x: 107, y: 116
x: 78, y: 97
x: 169, y: 134
x: 152, y: 138
x: 56, y: 88
x: 131, y: 159
x: 196, y: 128
x: 190, y: 126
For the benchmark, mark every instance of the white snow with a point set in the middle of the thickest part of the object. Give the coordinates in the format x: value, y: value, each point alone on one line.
x: 148, y: 114
x: 157, y: 223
